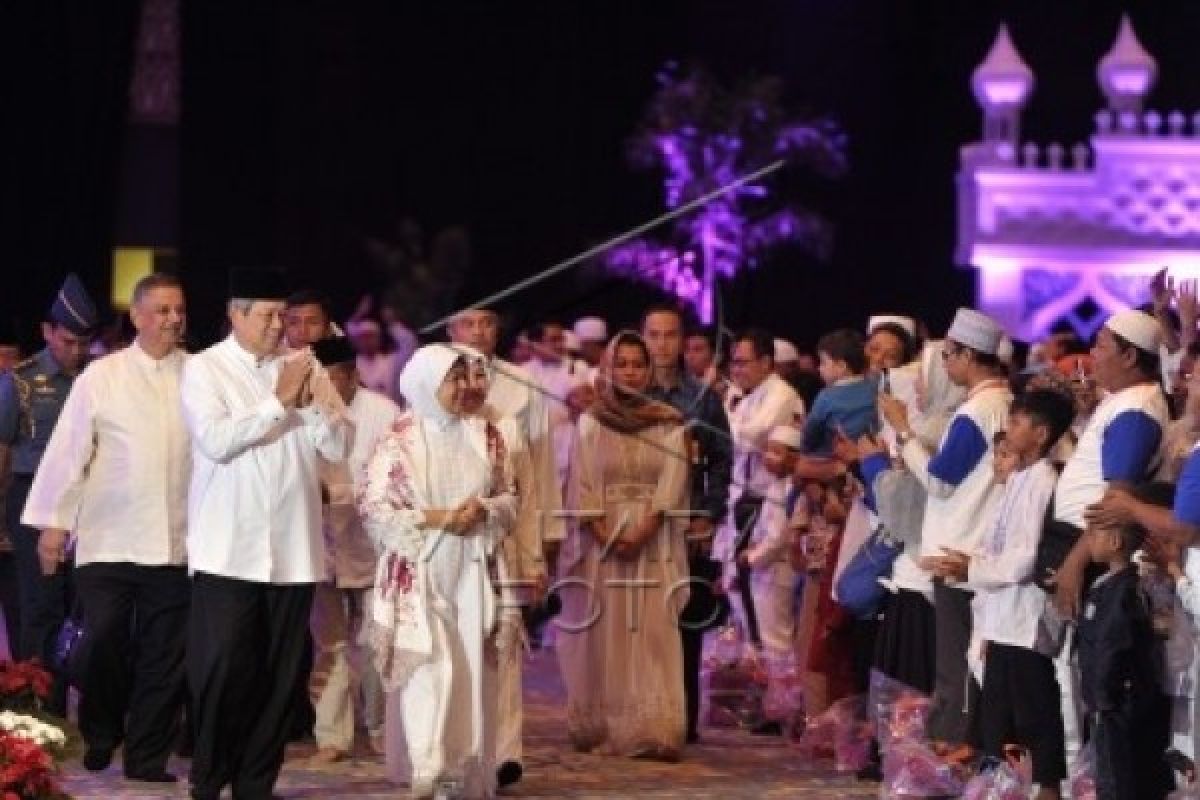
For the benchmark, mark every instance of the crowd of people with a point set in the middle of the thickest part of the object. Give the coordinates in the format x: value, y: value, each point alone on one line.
x: 316, y: 530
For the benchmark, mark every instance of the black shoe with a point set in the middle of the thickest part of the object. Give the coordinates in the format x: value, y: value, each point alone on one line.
x: 769, y: 728
x: 871, y: 772
x: 508, y: 773
x: 152, y: 776
x: 97, y: 759
x: 185, y: 742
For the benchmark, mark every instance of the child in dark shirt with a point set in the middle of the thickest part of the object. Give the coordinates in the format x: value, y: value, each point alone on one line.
x: 1120, y: 662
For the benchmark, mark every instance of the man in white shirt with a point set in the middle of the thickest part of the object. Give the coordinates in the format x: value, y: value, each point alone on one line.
x: 958, y: 479
x: 592, y: 333
x: 255, y: 544
x: 515, y: 395
x: 1121, y: 445
x: 564, y: 384
x: 378, y: 368
x: 761, y: 402
x: 309, y: 319
x: 342, y: 666
x: 115, y: 472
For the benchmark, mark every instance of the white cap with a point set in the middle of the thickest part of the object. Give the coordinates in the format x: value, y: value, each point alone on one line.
x: 571, y: 341
x: 785, y: 351
x: 1136, y: 327
x: 591, y: 329
x: 975, y: 330
x: 360, y: 326
x: 907, y: 323
x: 1004, y: 351
x: 787, y: 435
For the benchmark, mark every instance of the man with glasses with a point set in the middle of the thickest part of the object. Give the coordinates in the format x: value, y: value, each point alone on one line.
x: 958, y: 479
x: 760, y: 402
x: 255, y: 544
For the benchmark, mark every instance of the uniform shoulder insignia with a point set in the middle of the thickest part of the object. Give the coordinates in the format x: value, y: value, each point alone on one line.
x: 26, y: 364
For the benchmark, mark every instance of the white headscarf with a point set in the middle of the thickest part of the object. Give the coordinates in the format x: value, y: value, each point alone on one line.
x: 422, y: 376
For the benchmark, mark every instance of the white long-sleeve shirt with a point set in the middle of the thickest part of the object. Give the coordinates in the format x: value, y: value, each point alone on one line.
x: 751, y: 419
x: 350, y: 554
x: 1011, y: 608
x: 254, y: 508
x: 116, y: 468
x: 515, y: 393
x: 958, y: 477
x: 557, y: 381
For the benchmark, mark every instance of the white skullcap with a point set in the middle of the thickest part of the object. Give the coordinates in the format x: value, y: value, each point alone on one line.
x: 360, y: 326
x: 1138, y: 328
x: 571, y: 341
x: 907, y: 323
x: 785, y: 351
x: 1004, y: 351
x: 787, y: 435
x: 591, y: 329
x: 975, y: 330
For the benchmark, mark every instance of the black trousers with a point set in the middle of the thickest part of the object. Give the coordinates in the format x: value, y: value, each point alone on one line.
x: 904, y: 646
x: 745, y: 515
x: 704, y: 611
x: 44, y: 599
x: 954, y: 709
x: 135, y: 619
x: 10, y: 601
x: 1129, y: 742
x: 1021, y: 704
x: 863, y: 635
x: 245, y: 649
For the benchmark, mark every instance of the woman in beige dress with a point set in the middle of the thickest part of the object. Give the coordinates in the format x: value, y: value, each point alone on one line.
x: 623, y: 572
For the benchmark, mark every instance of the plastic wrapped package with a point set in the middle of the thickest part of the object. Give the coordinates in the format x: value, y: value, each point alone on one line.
x: 911, y: 769
x: 783, y: 701
x: 896, y: 711
x: 844, y: 726
x: 732, y: 685
x: 1082, y: 780
x: 1000, y: 783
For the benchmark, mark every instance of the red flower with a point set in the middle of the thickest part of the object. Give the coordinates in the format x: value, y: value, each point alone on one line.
x: 401, y: 574
x: 26, y: 770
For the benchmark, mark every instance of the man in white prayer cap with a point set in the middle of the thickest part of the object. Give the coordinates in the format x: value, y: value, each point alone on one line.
x: 1120, y: 444
x: 1120, y: 447
x: 958, y: 479
x: 592, y: 333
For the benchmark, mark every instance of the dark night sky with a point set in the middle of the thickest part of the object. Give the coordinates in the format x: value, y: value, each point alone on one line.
x: 306, y: 123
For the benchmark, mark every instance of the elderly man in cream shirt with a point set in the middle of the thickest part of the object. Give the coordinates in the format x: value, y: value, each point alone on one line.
x: 259, y: 428
x: 115, y: 473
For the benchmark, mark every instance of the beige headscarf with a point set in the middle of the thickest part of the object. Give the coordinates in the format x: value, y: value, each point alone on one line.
x: 628, y: 409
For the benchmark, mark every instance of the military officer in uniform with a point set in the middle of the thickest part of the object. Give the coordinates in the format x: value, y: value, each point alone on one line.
x: 31, y: 396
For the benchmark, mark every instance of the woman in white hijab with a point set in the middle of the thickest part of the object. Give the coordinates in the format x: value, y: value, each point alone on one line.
x: 438, y: 496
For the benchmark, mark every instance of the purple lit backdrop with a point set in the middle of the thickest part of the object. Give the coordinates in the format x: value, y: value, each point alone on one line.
x: 703, y: 136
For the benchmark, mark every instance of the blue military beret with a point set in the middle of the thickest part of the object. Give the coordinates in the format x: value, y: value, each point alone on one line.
x: 73, y: 307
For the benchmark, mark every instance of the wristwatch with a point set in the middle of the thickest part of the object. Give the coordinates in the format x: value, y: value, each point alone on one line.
x: 903, y: 438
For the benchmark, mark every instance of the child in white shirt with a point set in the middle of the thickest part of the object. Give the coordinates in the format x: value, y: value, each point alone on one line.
x: 1021, y: 698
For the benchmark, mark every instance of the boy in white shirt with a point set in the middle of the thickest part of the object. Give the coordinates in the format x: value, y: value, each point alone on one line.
x: 1020, y: 697
x: 768, y: 555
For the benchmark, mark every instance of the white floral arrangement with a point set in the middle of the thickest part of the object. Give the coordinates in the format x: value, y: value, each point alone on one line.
x: 43, y: 734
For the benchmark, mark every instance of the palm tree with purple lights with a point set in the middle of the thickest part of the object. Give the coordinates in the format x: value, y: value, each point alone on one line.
x: 703, y: 137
